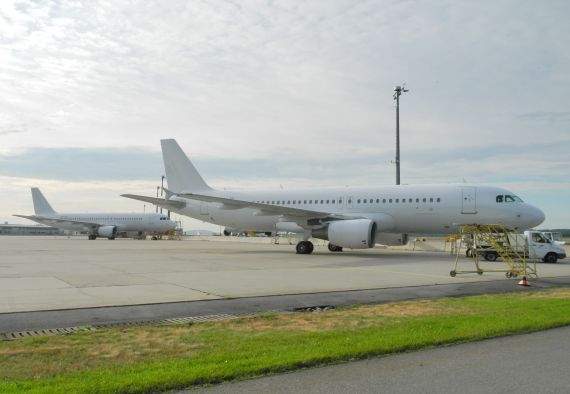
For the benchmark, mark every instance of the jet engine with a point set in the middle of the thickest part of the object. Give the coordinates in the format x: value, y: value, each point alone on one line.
x: 107, y: 231
x: 352, y: 234
x: 392, y: 239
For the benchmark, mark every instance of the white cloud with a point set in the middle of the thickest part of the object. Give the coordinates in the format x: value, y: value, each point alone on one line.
x: 293, y: 80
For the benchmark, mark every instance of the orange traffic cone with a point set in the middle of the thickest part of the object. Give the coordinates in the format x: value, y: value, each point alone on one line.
x: 524, y: 282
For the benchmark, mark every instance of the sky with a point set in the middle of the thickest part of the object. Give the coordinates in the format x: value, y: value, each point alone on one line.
x: 270, y: 94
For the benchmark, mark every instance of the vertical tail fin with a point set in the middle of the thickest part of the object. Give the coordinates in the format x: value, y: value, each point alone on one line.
x: 181, y: 175
x: 41, y: 205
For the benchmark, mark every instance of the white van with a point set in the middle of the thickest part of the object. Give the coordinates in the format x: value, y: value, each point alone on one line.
x: 533, y: 244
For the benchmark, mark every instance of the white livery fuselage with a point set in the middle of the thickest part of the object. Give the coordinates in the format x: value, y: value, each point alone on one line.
x: 352, y: 217
x: 396, y: 209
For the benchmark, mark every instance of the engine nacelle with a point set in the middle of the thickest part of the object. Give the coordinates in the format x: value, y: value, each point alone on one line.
x: 107, y: 231
x: 352, y: 234
x: 392, y: 239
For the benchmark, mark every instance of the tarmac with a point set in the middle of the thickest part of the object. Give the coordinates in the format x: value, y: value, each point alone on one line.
x: 102, y: 281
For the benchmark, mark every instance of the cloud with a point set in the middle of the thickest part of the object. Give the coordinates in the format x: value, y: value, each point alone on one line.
x: 289, y: 92
x: 543, y: 116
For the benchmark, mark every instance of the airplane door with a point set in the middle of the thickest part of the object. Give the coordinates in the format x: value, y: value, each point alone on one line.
x: 204, y: 208
x: 468, y: 199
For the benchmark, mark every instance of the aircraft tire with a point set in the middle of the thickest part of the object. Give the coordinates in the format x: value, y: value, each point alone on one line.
x: 305, y: 247
x: 334, y: 248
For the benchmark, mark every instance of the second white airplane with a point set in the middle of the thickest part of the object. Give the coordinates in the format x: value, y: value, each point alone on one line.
x: 107, y: 225
x: 348, y: 217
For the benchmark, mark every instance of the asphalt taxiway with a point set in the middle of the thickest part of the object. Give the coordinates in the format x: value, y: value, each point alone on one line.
x: 60, y: 282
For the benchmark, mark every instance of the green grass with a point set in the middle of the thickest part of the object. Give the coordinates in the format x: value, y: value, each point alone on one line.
x: 151, y: 358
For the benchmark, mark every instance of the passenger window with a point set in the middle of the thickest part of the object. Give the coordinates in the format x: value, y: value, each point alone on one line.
x: 499, y: 198
x: 377, y: 201
x: 431, y: 200
x: 403, y: 200
x: 322, y: 201
x: 397, y: 200
x: 411, y: 200
x: 438, y: 199
x: 383, y: 201
x: 364, y: 201
x: 304, y: 201
x: 358, y: 201
x: 390, y: 200
x: 338, y: 201
x: 327, y: 201
x: 349, y: 201
x: 310, y: 201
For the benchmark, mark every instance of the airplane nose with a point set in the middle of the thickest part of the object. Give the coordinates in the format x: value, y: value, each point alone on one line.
x: 536, y: 216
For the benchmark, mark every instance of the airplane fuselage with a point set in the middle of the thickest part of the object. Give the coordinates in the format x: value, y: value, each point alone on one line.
x: 395, y: 209
x: 124, y: 222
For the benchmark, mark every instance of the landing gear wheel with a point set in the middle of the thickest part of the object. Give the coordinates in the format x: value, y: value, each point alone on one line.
x: 110, y: 238
x: 334, y: 248
x: 479, y: 272
x: 154, y: 238
x: 452, y: 274
x: 469, y: 253
x: 91, y: 237
x: 305, y: 247
x: 509, y: 275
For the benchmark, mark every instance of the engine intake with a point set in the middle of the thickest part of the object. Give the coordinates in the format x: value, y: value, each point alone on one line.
x: 352, y: 234
x: 107, y: 231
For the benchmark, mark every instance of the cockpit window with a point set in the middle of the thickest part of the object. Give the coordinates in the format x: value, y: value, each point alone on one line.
x: 508, y: 198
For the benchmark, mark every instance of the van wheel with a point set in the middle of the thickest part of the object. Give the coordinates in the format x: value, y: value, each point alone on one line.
x: 550, y: 258
x: 491, y: 256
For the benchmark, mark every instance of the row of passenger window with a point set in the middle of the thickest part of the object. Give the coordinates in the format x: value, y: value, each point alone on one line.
x: 358, y: 201
x: 85, y: 219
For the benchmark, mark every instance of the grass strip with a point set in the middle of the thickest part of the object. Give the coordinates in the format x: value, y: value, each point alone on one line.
x: 149, y: 358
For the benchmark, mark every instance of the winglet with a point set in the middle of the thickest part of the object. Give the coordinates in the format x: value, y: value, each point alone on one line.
x: 41, y: 205
x: 181, y: 175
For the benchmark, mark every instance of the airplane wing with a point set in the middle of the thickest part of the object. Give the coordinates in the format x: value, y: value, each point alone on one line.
x: 161, y: 202
x: 268, y: 209
x: 64, y: 223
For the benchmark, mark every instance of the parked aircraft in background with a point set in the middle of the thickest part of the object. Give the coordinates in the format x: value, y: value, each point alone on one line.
x: 96, y: 225
x: 348, y: 217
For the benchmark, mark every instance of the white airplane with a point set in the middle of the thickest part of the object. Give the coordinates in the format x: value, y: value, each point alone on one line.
x: 98, y: 224
x: 348, y: 217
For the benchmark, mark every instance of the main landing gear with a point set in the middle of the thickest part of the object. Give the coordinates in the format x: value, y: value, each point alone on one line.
x: 92, y: 237
x: 305, y: 247
x: 334, y: 248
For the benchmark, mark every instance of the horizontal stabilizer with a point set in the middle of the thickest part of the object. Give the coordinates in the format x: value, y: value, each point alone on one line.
x: 161, y: 202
